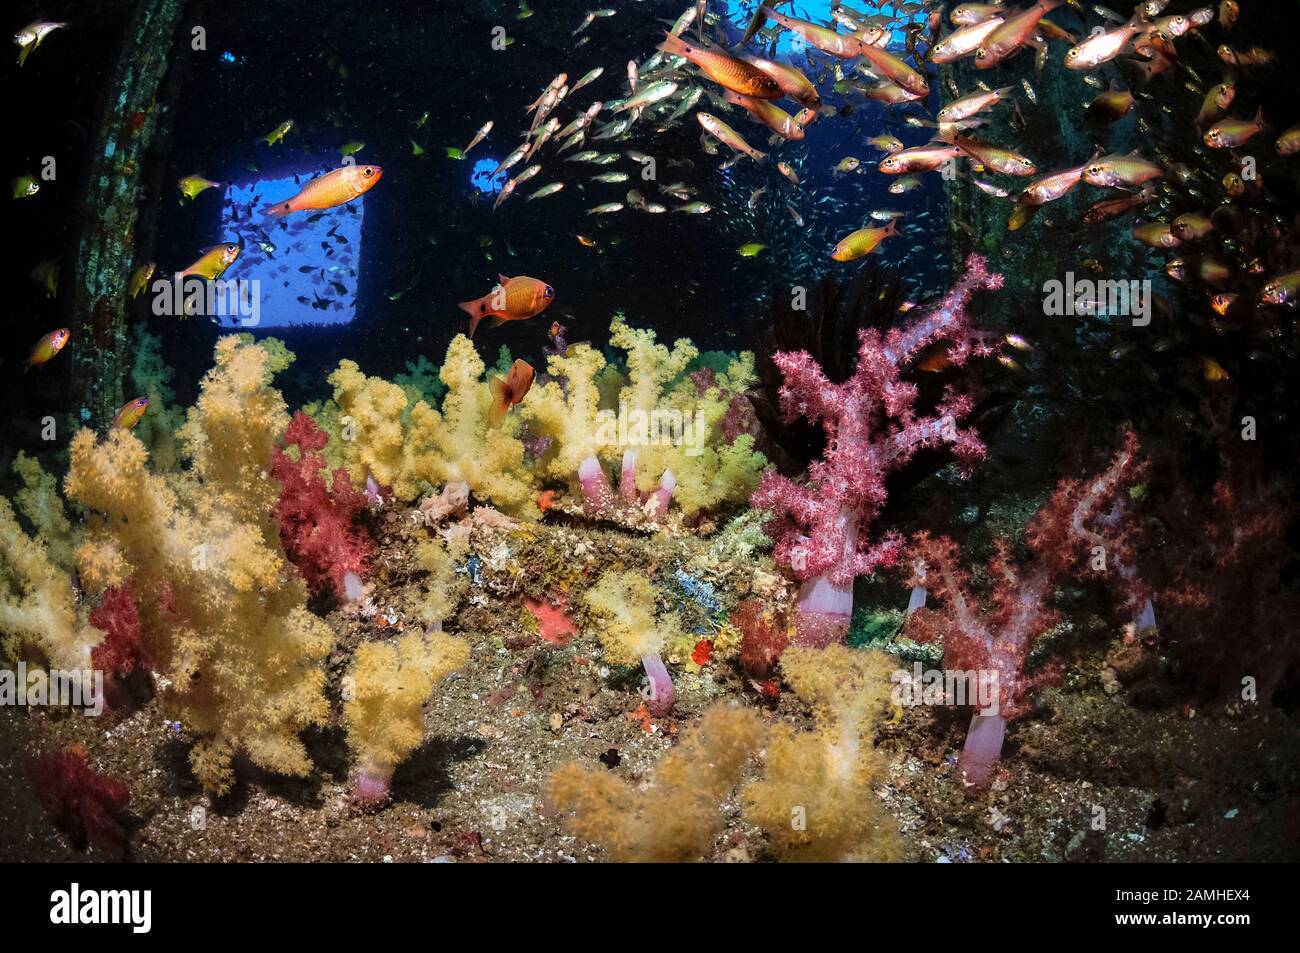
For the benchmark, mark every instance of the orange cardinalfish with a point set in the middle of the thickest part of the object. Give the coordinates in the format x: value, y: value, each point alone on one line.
x: 331, y: 189
x: 47, y: 347
x: 547, y: 500
x: 129, y: 414
x: 768, y: 113
x: 793, y: 82
x: 513, y: 299
x: 736, y: 75
x: 509, y: 390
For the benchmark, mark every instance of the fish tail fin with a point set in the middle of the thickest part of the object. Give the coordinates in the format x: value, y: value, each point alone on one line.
x: 277, y: 210
x: 892, y: 227
x: 500, y: 401
x: 1259, y: 117
x: 759, y: 155
x: 675, y: 46
x: 476, y: 310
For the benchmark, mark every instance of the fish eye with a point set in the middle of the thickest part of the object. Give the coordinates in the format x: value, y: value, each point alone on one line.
x: 549, y: 292
x: 367, y: 172
x: 981, y: 53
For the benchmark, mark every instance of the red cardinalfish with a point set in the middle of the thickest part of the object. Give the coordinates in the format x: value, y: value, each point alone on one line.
x: 1104, y: 47
x: 735, y: 74
x: 513, y: 299
x: 330, y: 190
x: 924, y: 158
x: 967, y: 106
x: 993, y: 157
x: 47, y: 347
x: 1230, y: 133
x: 1051, y: 187
x: 969, y: 14
x: 728, y: 136
x: 965, y: 41
x: 1015, y: 32
x: 895, y: 70
x: 1119, y: 171
x: 509, y: 390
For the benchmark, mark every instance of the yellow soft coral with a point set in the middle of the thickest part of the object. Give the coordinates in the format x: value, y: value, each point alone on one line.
x: 444, y: 587
x: 225, y: 622
x: 370, y: 420
x: 816, y: 800
x: 410, y: 450
x: 390, y: 685
x: 655, y: 409
x: 678, y: 427
x: 231, y: 430
x: 677, y: 817
x: 38, y: 616
x: 40, y: 502
x: 566, y: 410
x: 460, y: 445
x: 630, y: 628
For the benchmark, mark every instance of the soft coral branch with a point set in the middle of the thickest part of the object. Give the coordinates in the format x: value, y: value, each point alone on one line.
x: 1083, y: 518
x: 872, y: 428
x: 83, y: 804
x: 319, y: 523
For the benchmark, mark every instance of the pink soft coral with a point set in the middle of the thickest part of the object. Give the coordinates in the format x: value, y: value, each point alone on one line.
x: 319, y: 523
x: 872, y: 428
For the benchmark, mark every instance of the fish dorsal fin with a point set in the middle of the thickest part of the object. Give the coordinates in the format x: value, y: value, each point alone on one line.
x: 502, y: 279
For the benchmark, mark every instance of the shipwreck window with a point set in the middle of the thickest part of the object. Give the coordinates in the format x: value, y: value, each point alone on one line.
x: 305, y: 264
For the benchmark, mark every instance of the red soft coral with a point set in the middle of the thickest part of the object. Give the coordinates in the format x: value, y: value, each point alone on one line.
x: 764, y: 636
x: 1087, y: 530
x: 84, y: 804
x: 119, y: 619
x: 319, y: 523
x: 1086, y: 523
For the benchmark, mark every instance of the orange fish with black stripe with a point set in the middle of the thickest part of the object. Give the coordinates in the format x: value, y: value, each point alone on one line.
x: 736, y: 75
x: 331, y: 189
x: 513, y: 299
